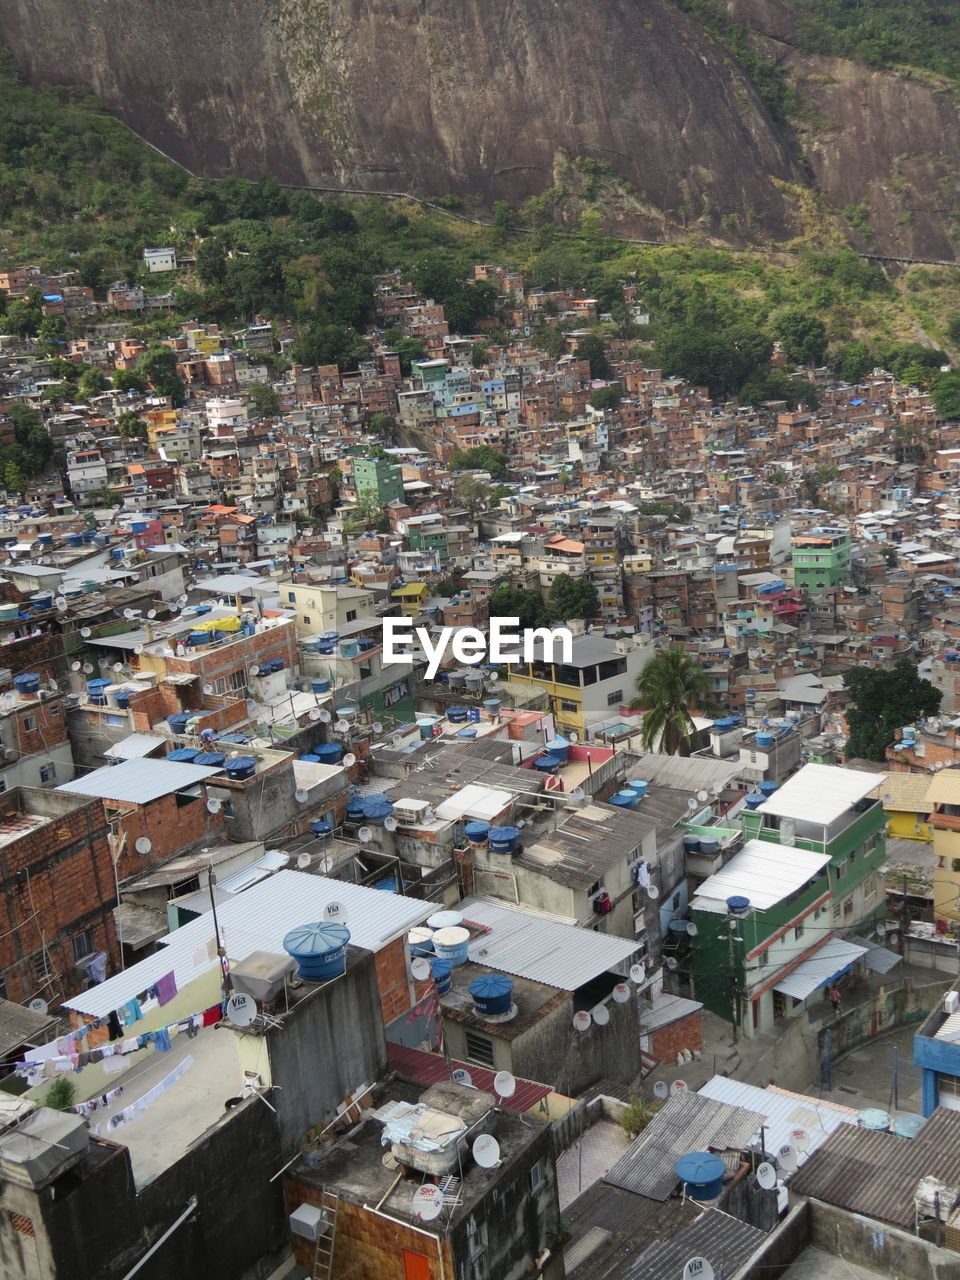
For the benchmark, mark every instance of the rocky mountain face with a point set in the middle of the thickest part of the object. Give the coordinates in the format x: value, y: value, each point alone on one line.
x: 494, y: 97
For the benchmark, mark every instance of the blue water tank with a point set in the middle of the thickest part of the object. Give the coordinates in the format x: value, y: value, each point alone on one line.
x: 30, y: 683
x: 442, y: 975
x: 444, y: 920
x: 639, y: 786
x: 767, y: 787
x: 764, y: 739
x: 420, y: 941
x: 709, y: 846
x: 908, y: 1126
x: 874, y: 1118
x: 241, y: 767
x: 691, y: 844
x: 452, y: 944
x: 309, y: 758
x: 755, y: 799
x: 503, y: 839
x: 476, y: 832
x: 321, y: 828
x: 123, y: 700
x: 492, y: 994
x: 466, y: 733
x: 491, y: 706
x: 329, y: 752
x: 559, y: 748
x: 737, y: 905
x: 356, y: 810
x: 199, y: 638
x: 184, y: 755
x: 319, y: 686
x: 210, y: 759
x: 377, y: 809
x: 320, y: 950
x: 177, y: 723
x: 547, y: 764
x: 624, y: 799
x: 457, y: 715
x: 701, y: 1172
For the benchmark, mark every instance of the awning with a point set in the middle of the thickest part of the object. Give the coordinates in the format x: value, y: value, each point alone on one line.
x: 828, y: 962
x: 878, y: 959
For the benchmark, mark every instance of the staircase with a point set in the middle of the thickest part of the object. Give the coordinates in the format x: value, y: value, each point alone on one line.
x: 322, y: 1268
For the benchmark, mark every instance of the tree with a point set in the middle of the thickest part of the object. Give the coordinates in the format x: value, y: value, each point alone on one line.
x: 91, y: 383
x: 366, y: 514
x: 158, y: 364
x: 606, y: 398
x: 479, y: 355
x: 408, y: 349
x: 23, y: 318
x: 61, y: 1094
x: 669, y: 688
x: 882, y: 702
x: 130, y: 426
x: 591, y: 348
x: 52, y: 331
x: 803, y: 336
x: 13, y: 480
x: 65, y: 370
x: 498, y: 492
x: 482, y: 458
x: 522, y: 603
x: 474, y: 493
x: 573, y: 598
x: 103, y: 497
x: 946, y: 395
x: 128, y: 380
x: 851, y: 361
x: 383, y: 425
x: 265, y: 399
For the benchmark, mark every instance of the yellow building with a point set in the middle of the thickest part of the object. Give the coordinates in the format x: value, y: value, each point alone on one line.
x: 904, y: 797
x: 943, y: 798
x: 411, y: 597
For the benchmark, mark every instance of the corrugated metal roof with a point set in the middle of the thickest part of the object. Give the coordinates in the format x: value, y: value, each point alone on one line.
x: 628, y: 1223
x: 258, y: 920
x: 431, y: 1068
x: 907, y: 792
x: 762, y: 871
x: 820, y: 793
x: 474, y: 801
x: 828, y: 961
x: 682, y: 773
x: 686, y: 1122
x: 783, y: 1113
x: 944, y: 788
x: 878, y: 959
x: 877, y: 1174
x: 136, y: 746
x: 724, y: 1241
x: 139, y: 781
x: 541, y: 948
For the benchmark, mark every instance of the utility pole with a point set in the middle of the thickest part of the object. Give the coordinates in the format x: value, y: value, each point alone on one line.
x: 904, y: 918
x: 734, y: 978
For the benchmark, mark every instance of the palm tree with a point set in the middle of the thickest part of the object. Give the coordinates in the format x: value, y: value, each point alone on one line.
x: 669, y: 687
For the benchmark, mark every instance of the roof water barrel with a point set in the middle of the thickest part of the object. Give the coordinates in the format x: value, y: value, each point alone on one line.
x: 738, y: 906
x: 442, y: 975
x: 320, y: 950
x: 329, y: 752
x: 444, y: 920
x: 625, y: 799
x: 503, y: 839
x: 420, y: 941
x: 701, y: 1173
x: 874, y: 1118
x: 452, y: 944
x: 477, y: 832
x: 639, y: 786
x: 492, y: 994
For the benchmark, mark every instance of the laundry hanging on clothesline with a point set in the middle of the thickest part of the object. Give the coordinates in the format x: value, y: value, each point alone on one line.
x: 129, y: 1113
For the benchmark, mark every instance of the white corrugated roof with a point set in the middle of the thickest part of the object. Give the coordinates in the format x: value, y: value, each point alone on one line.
x: 474, y: 801
x: 258, y: 920
x: 139, y: 781
x: 762, y: 871
x: 539, y: 948
x: 784, y: 1113
x: 827, y: 962
x: 820, y: 793
x: 136, y: 746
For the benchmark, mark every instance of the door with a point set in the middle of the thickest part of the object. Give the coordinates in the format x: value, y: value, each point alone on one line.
x: 416, y: 1266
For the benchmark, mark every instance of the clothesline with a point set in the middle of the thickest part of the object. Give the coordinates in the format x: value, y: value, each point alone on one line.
x: 141, y: 1104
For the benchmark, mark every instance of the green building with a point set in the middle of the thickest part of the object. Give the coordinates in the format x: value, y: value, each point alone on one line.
x: 376, y: 478
x: 821, y: 559
x: 768, y: 920
x: 430, y: 539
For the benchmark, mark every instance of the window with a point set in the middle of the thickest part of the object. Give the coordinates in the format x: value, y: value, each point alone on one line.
x: 48, y: 771
x: 955, y: 864
x: 567, y: 705
x: 29, y: 724
x: 219, y: 685
x: 615, y: 697
x: 479, y: 1049
x: 763, y: 959
x: 41, y: 967
x: 941, y: 863
x: 848, y: 906
x: 351, y: 615
x: 798, y: 932
x: 536, y: 1176
x: 238, y: 679
x: 82, y: 944
x: 55, y: 709
x: 841, y: 869
x: 291, y: 597
x: 306, y: 619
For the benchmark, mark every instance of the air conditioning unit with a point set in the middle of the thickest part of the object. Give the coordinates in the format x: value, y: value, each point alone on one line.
x: 309, y: 1222
x: 951, y: 1002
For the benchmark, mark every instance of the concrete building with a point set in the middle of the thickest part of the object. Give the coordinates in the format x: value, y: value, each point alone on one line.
x: 942, y: 801
x: 936, y: 1051
x: 821, y: 559
x: 378, y: 480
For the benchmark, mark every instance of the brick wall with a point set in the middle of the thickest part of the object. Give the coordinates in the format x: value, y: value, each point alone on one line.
x: 392, y: 979
x: 169, y: 826
x: 50, y: 728
x: 57, y: 880
x: 685, y: 1033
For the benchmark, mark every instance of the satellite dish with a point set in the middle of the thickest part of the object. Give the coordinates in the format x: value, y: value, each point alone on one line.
x: 151, y: 613
x: 88, y: 668
x: 314, y: 713
x: 349, y: 760
x: 303, y: 861
x: 74, y: 666
x: 892, y: 936
x: 342, y: 726
x: 582, y: 1020
x: 462, y: 1076
x: 493, y: 677
x: 881, y: 928
x: 377, y: 727
x: 208, y: 689
x: 800, y: 1138
x: 504, y: 1084
x: 486, y: 1151
x: 653, y: 893
x: 692, y: 929
x: 573, y: 735
x: 703, y: 796
x: 86, y: 632
x: 144, y: 844
x: 241, y: 1009
x: 365, y: 835
x: 254, y: 670
x: 390, y: 824
x: 787, y: 1157
x: 692, y: 804
x: 661, y: 1089
x: 600, y: 1014
x: 427, y: 1202
x: 621, y: 993
x: 335, y: 911
x: 678, y: 1086
x: 766, y: 1176
x: 671, y: 962
x: 698, y: 1269
x: 324, y: 716
x: 301, y: 795
x: 397, y: 739
x: 637, y: 973
x: 61, y: 603
x: 37, y: 1005
x: 420, y: 969
x: 128, y: 613
x: 213, y: 805
x: 181, y: 600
